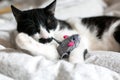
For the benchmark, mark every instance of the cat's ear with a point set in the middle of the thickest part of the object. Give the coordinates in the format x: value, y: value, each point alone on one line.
x: 16, y: 12
x: 51, y: 7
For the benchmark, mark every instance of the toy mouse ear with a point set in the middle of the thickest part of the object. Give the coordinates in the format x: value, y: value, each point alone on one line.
x: 65, y: 36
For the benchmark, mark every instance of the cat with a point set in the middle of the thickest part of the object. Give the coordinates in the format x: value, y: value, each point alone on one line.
x: 36, y: 27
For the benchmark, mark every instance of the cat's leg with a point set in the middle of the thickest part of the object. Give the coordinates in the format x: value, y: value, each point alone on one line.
x: 77, y: 55
x: 26, y: 42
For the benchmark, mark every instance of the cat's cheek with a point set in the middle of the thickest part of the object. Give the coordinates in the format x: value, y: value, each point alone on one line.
x: 36, y: 36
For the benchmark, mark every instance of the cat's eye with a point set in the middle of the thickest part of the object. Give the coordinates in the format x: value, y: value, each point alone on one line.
x: 51, y: 23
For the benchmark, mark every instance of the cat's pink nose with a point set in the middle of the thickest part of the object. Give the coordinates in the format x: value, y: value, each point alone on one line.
x: 71, y: 44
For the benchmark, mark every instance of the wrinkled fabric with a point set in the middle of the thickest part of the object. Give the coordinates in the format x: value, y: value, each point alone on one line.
x: 18, y: 65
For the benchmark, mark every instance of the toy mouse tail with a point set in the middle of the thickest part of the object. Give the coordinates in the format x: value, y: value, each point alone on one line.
x: 56, y: 40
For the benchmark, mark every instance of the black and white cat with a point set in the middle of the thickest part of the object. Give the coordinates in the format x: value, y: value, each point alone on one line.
x: 36, y: 28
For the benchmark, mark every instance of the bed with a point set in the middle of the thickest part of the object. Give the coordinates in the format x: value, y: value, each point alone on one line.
x: 18, y: 65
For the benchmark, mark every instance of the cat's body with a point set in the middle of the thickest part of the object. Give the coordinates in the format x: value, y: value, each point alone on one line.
x: 37, y: 27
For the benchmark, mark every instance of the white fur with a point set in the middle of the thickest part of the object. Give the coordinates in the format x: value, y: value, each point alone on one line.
x: 36, y: 36
x: 107, y: 43
x: 43, y: 34
x: 35, y: 48
x: 88, y: 41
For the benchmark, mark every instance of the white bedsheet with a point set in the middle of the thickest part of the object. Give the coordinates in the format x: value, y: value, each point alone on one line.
x: 21, y: 66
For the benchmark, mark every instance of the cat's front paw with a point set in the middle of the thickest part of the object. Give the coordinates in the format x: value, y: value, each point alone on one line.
x: 23, y: 41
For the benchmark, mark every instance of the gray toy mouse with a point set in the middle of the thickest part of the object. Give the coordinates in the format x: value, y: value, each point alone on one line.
x: 67, y: 45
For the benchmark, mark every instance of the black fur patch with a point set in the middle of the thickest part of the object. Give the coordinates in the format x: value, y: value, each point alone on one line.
x: 101, y: 24
x: 116, y: 34
x: 30, y: 21
x: 64, y: 24
x: 42, y: 40
x: 84, y: 54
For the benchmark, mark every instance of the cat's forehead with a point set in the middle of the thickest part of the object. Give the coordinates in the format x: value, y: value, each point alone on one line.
x: 33, y: 12
x: 45, y: 12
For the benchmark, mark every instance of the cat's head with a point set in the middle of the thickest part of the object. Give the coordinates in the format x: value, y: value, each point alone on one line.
x: 39, y: 23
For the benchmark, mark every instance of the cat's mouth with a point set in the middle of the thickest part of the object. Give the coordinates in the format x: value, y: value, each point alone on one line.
x: 43, y: 40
